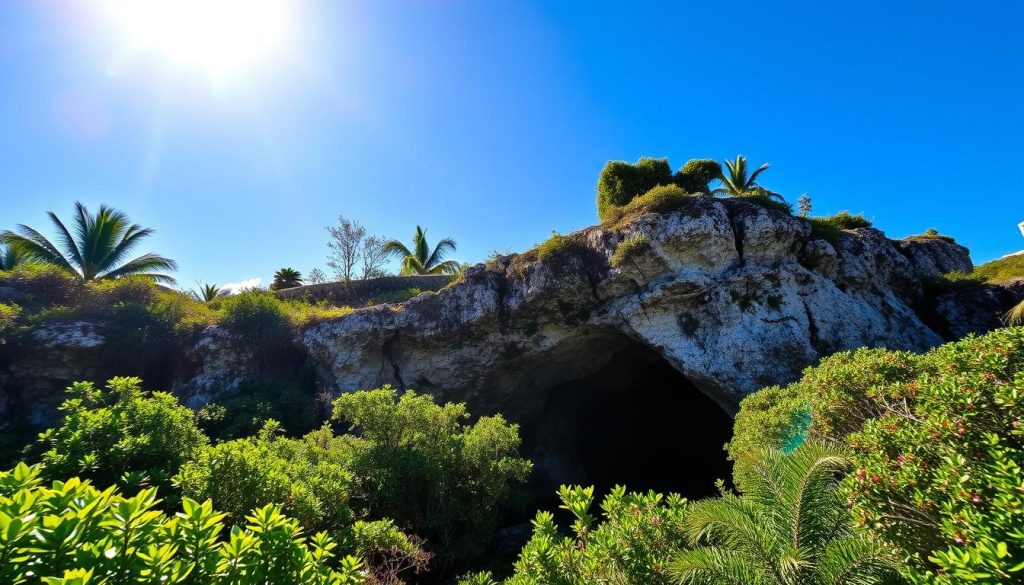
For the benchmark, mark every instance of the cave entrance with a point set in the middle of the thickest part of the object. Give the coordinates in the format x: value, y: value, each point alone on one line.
x: 636, y: 422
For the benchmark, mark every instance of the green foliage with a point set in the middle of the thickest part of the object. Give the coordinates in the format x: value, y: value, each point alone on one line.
x: 790, y: 525
x: 73, y: 534
x: 630, y: 249
x: 941, y: 470
x: 286, y: 278
x: 697, y: 174
x: 117, y: 433
x: 257, y: 316
x: 1001, y: 269
x: 308, y: 477
x: 421, y: 259
x: 737, y: 181
x: 97, y: 249
x: 932, y: 234
x: 937, y: 442
x: 620, y: 182
x: 558, y: 248
x: 1015, y: 316
x: 421, y: 464
x: 42, y: 284
x: 8, y: 317
x: 208, y: 292
x: 766, y: 199
x: 290, y: 399
x: 830, y: 227
x: 632, y: 544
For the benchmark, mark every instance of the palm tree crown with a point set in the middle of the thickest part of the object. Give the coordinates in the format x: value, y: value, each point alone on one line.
x: 421, y: 260
x: 286, y: 278
x: 736, y: 180
x: 208, y: 292
x: 97, y: 249
x: 790, y: 527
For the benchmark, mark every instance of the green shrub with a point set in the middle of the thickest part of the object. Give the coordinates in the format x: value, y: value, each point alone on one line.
x: 932, y: 234
x: 558, y: 248
x: 257, y: 316
x: 119, y: 434
x: 421, y: 464
x: 829, y: 227
x: 662, y: 199
x: 309, y: 479
x: 937, y: 442
x: 630, y: 249
x: 8, y: 317
x: 766, y: 199
x: 632, y: 544
x: 43, y: 285
x: 697, y: 174
x: 1001, y: 269
x: 290, y: 399
x: 73, y: 534
x: 620, y: 181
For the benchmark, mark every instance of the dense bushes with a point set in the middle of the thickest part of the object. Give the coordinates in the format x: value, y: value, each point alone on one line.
x: 937, y: 444
x: 256, y: 316
x: 120, y: 435
x: 632, y: 544
x: 74, y: 534
x: 697, y: 174
x: 421, y: 464
x: 620, y: 181
x: 829, y: 227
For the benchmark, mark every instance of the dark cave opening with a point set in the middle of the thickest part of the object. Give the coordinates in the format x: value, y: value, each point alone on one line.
x: 636, y: 422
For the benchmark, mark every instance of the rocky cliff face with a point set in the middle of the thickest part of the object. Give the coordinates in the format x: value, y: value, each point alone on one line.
x: 733, y: 295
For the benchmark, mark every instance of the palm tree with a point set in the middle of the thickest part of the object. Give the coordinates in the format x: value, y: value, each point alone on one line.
x: 98, y: 249
x: 10, y: 258
x: 790, y: 526
x: 736, y: 182
x: 208, y: 292
x: 286, y: 278
x: 421, y: 260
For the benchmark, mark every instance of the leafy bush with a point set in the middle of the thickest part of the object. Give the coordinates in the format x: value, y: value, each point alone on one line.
x: 558, y: 248
x: 662, y: 199
x: 420, y: 464
x: 633, y: 544
x: 937, y: 442
x: 257, y: 316
x: 74, y: 534
x: 629, y: 249
x: 240, y: 475
x: 42, y: 284
x: 1001, y: 269
x: 120, y: 434
x: 829, y: 227
x: 620, y: 181
x: 766, y: 199
x: 291, y: 399
x: 697, y: 173
x: 8, y: 317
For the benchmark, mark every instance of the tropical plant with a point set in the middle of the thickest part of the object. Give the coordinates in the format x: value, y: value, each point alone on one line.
x: 74, y: 534
x: 423, y: 465
x: 98, y: 248
x: 633, y: 544
x: 738, y: 182
x: 421, y: 259
x: 621, y: 181
x: 789, y: 526
x: 119, y: 434
x: 208, y: 292
x: 697, y: 174
x: 10, y: 258
x: 286, y: 278
x: 1015, y: 316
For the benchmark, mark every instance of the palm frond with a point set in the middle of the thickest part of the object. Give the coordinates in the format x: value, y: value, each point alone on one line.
x: 855, y: 560
x: 420, y: 246
x: 441, y: 251
x: 396, y: 249
x: 70, y: 247
x: 715, y: 566
x: 446, y: 267
x: 128, y: 240
x: 33, y: 246
x: 1015, y: 316
x: 143, y: 265
x: 752, y: 181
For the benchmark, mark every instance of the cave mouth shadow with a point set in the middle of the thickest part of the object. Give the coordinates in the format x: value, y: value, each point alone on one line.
x: 636, y: 422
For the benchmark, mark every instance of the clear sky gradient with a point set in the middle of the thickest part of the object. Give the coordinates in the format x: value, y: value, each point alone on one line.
x: 489, y: 121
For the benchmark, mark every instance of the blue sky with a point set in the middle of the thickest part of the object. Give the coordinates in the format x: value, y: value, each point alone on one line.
x: 489, y: 121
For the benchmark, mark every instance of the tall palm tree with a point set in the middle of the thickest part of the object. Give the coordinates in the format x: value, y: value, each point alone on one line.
x: 97, y: 249
x: 286, y: 278
x: 208, y: 292
x: 789, y: 527
x: 736, y: 181
x: 421, y: 260
x: 10, y: 258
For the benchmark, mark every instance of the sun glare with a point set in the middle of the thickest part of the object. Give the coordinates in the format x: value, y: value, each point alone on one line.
x: 220, y: 36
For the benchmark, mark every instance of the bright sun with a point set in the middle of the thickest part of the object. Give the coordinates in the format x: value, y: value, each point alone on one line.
x: 219, y: 36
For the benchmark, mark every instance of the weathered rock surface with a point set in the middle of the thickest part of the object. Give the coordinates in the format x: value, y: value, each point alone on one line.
x: 934, y: 255
x: 977, y: 309
x: 731, y: 294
